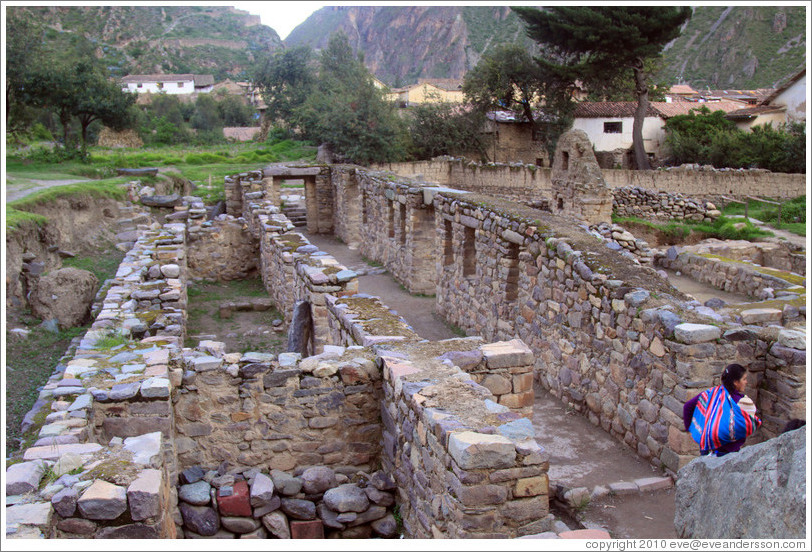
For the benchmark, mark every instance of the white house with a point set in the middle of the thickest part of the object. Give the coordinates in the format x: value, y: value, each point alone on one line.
x: 792, y: 96
x: 609, y: 126
x: 168, y: 84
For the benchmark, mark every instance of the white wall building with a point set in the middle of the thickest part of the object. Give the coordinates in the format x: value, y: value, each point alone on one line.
x: 168, y: 84
x: 792, y: 96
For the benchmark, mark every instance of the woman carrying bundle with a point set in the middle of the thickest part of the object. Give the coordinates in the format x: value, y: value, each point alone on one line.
x: 721, y: 418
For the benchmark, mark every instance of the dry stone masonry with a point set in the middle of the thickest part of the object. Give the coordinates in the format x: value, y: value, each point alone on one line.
x: 141, y: 437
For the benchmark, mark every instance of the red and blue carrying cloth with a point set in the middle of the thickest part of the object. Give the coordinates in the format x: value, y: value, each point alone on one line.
x: 718, y: 420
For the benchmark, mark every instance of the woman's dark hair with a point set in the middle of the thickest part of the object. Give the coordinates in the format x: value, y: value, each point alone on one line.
x: 732, y: 373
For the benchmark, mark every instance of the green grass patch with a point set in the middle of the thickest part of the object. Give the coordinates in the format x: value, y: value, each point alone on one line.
x: 29, y: 363
x: 722, y: 228
x: 110, y: 188
x: 17, y: 219
x: 793, y: 213
x: 103, y: 264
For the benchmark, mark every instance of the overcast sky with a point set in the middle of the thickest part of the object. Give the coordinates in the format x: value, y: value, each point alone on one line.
x: 282, y: 17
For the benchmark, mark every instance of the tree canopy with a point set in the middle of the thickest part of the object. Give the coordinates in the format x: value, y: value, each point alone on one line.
x: 509, y: 79
x: 594, y: 44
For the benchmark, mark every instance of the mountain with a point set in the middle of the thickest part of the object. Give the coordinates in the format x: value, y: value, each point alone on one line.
x: 217, y: 40
x: 720, y: 47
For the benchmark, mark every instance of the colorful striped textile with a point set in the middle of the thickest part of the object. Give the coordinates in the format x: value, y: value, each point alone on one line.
x: 718, y: 420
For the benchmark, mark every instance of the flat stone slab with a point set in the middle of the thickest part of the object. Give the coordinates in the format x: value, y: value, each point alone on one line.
x: 696, y: 333
x: 144, y: 447
x: 647, y: 484
x: 623, y: 488
x: 761, y: 316
x: 55, y: 451
x: 477, y: 450
x: 24, y: 477
x: 37, y: 514
x: 507, y: 354
x: 103, y: 500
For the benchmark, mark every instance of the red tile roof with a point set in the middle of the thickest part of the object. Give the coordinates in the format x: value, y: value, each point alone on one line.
x: 748, y: 112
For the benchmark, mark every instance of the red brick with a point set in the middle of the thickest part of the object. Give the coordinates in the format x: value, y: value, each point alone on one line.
x: 307, y: 529
x: 238, y: 504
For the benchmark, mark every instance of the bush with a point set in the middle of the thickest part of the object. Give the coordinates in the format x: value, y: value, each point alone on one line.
x: 708, y: 138
x: 39, y: 132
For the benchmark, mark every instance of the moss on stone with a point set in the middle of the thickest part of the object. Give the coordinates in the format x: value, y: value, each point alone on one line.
x: 118, y: 470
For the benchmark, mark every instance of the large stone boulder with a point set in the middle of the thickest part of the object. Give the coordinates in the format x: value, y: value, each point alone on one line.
x: 65, y: 294
x: 757, y: 493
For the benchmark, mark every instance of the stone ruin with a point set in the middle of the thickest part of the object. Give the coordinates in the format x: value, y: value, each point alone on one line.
x: 579, y: 189
x: 148, y: 439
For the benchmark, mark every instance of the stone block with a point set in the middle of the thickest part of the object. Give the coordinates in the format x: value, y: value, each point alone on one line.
x: 531, y: 486
x: 518, y: 400
x: 38, y: 514
x: 238, y: 503
x: 206, y: 363
x: 48, y: 452
x: 307, y: 529
x: 477, y: 450
x: 623, y: 488
x: 648, y: 484
x: 146, y: 448
x: 144, y: 495
x: 497, y: 384
x: 523, y: 382
x: 696, y: 333
x: 761, y: 316
x: 24, y: 477
x: 277, y: 524
x: 507, y: 354
x: 155, y: 387
x: 262, y: 490
x: 103, y: 500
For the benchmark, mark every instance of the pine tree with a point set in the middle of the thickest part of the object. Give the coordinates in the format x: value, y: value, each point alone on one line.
x: 592, y: 44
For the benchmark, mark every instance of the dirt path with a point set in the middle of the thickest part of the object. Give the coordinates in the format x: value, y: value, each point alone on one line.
x: 17, y: 190
x: 783, y: 235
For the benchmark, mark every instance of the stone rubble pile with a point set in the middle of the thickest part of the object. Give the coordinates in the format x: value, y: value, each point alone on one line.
x: 633, y: 201
x: 258, y: 504
x: 621, y: 240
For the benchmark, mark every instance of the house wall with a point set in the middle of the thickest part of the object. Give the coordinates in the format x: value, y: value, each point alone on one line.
x: 794, y: 98
x: 653, y: 133
x: 774, y: 119
x: 515, y: 144
x: 168, y: 88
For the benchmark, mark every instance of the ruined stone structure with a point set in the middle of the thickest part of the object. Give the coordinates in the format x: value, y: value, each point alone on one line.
x: 527, y: 182
x: 578, y: 186
x: 146, y: 420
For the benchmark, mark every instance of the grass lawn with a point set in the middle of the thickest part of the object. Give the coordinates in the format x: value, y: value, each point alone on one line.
x: 793, y: 213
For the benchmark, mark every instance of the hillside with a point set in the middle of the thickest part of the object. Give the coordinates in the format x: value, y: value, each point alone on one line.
x: 219, y: 40
x: 721, y: 47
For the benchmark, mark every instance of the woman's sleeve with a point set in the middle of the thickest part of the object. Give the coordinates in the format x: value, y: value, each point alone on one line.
x: 688, y: 412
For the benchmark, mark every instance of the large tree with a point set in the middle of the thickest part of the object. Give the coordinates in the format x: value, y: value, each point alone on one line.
x: 347, y: 111
x: 23, y: 50
x: 593, y: 44
x: 82, y: 90
x: 285, y: 81
x: 508, y: 78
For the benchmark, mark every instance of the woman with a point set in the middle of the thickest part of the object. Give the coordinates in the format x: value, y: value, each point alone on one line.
x: 714, y: 418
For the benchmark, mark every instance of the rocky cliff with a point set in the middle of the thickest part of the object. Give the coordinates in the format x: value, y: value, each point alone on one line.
x: 720, y: 47
x: 219, y: 40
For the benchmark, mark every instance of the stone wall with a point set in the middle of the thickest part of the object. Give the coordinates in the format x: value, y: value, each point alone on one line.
x: 518, y: 181
x: 254, y: 410
x: 465, y: 466
x: 222, y: 250
x: 737, y: 277
x: 292, y: 269
x: 661, y: 205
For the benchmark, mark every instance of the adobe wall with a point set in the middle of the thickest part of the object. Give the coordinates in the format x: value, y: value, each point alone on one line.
x: 527, y: 182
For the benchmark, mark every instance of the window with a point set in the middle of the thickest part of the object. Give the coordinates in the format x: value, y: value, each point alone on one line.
x: 469, y: 253
x: 160, y: 86
x: 448, y: 239
x: 180, y: 85
x: 402, y: 224
x: 140, y: 85
x: 613, y: 128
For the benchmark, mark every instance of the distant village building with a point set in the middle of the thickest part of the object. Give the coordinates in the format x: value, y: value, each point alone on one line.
x: 609, y: 127
x: 513, y: 139
x: 168, y: 84
x: 428, y: 91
